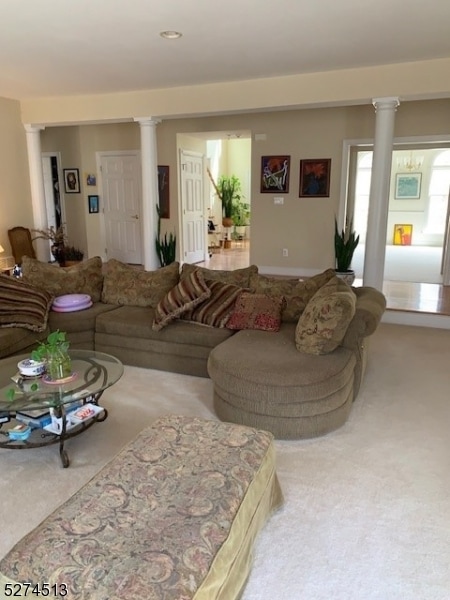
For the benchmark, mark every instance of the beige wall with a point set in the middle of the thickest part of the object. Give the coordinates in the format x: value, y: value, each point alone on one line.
x: 78, y: 146
x: 15, y: 195
x: 304, y: 226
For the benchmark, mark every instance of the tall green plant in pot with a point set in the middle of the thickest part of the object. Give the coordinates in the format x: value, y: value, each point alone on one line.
x: 345, y: 243
x: 165, y: 246
x: 228, y: 190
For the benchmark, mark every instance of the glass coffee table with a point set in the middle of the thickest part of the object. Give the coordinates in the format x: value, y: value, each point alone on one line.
x: 36, y: 412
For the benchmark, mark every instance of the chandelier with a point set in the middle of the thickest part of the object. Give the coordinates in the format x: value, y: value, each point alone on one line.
x: 411, y: 163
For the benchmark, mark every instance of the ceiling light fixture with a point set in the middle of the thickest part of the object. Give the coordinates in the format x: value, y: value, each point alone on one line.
x: 410, y: 164
x: 170, y: 35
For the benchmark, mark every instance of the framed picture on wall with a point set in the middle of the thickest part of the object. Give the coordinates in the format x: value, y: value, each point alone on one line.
x: 275, y: 174
x: 71, y: 181
x: 403, y: 234
x: 407, y: 186
x: 163, y: 192
x: 93, y: 204
x: 315, y: 178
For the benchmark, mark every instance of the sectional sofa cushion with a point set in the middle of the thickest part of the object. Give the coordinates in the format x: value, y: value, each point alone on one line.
x: 239, y: 277
x: 218, y: 307
x: 297, y: 292
x: 188, y: 293
x: 257, y: 311
x: 23, y: 305
x: 85, y: 277
x: 325, y: 320
x: 126, y: 285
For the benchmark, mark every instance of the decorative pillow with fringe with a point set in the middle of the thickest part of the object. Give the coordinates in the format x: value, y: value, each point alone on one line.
x: 215, y: 310
x: 23, y: 305
x: 188, y: 292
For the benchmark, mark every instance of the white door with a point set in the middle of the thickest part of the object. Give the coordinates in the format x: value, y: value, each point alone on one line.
x: 121, y: 191
x: 192, y: 223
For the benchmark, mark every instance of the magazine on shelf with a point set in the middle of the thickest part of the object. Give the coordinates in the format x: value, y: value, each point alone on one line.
x: 85, y: 412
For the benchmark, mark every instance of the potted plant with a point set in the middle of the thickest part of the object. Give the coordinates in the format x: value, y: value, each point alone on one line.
x: 240, y: 216
x: 165, y: 246
x: 57, y: 236
x: 345, y: 243
x: 228, y: 190
x: 71, y: 255
x: 55, y: 352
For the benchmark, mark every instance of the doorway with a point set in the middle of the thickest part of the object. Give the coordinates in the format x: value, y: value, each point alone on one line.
x: 418, y: 203
x: 225, y: 153
x: 55, y: 208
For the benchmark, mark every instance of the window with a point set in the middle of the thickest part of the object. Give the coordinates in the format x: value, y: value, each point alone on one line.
x: 438, y: 194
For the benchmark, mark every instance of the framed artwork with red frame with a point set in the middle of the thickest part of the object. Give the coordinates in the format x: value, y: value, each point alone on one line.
x: 315, y: 178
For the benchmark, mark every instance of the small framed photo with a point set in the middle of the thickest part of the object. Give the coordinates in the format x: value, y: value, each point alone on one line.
x: 93, y: 203
x: 407, y: 186
x: 163, y: 191
x: 275, y: 172
x: 71, y: 181
x: 91, y: 179
x: 315, y: 178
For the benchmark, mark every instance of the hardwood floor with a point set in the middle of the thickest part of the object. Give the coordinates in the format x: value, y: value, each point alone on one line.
x: 428, y: 298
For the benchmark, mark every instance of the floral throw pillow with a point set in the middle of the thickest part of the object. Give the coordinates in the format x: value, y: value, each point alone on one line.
x: 127, y: 285
x: 85, y: 277
x: 184, y: 296
x: 325, y: 320
x: 297, y: 292
x: 257, y: 311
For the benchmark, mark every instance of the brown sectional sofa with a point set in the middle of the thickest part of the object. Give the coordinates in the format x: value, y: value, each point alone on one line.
x: 260, y: 377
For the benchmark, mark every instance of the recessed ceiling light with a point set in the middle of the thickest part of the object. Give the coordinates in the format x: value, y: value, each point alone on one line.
x: 170, y: 35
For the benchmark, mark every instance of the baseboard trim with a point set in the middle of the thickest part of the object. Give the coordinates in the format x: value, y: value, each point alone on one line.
x: 418, y: 319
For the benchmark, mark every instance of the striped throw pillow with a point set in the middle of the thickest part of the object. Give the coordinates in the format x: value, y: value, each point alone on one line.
x: 185, y: 295
x: 217, y: 309
x: 23, y: 305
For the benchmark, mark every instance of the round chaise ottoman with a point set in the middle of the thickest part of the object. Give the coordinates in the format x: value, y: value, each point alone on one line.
x: 263, y: 381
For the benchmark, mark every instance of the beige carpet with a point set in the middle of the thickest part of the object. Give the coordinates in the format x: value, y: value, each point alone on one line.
x: 367, y: 512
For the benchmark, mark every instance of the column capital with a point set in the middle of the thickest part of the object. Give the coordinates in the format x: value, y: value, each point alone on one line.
x: 146, y: 121
x: 33, y: 128
x: 389, y: 103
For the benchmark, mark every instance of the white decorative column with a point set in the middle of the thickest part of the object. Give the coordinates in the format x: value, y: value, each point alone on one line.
x: 375, y: 252
x: 149, y: 166
x: 33, y: 134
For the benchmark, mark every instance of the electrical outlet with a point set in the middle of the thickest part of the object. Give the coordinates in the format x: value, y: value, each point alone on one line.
x: 278, y: 200
x: 285, y: 252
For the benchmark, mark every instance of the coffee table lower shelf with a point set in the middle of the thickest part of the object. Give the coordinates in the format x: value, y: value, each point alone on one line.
x: 40, y: 437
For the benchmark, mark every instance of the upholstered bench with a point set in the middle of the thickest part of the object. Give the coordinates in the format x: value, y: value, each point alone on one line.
x: 173, y: 515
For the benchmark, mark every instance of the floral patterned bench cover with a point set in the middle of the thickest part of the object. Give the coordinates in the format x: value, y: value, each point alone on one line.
x: 173, y: 516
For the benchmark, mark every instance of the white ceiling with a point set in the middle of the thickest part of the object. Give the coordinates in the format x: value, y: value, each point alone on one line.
x: 67, y: 47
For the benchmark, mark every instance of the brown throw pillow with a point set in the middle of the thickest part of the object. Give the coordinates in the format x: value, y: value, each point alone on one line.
x: 325, y: 320
x: 130, y: 286
x: 257, y: 311
x: 84, y: 278
x: 22, y: 305
x: 188, y: 292
x: 215, y: 310
x: 240, y: 277
x: 297, y: 292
